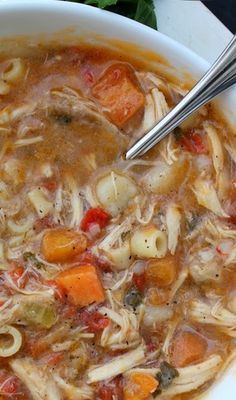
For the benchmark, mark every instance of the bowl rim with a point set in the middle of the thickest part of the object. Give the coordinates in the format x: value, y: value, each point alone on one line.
x: 65, y: 8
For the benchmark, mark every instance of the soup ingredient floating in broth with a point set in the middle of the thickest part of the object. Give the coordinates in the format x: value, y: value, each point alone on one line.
x: 117, y: 278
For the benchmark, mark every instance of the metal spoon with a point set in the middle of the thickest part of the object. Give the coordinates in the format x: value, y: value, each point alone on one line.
x: 218, y: 78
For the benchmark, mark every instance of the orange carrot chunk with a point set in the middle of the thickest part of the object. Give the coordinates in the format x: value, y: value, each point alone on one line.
x: 119, y: 93
x: 82, y: 285
x: 187, y: 348
x: 62, y: 245
x: 139, y: 386
x: 161, y: 272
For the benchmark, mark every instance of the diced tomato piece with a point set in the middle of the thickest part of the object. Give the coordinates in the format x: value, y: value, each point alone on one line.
x: 68, y: 312
x: 101, y: 262
x: 139, y: 281
x: 232, y: 212
x: 19, y: 277
x: 49, y: 184
x: 151, y: 346
x: 54, y: 359
x: 112, y: 390
x: 35, y: 346
x: 193, y: 143
x: 43, y: 223
x: 105, y: 393
x: 4, y: 289
x: 119, y: 93
x: 94, y: 321
x: 88, y: 76
x: 94, y: 216
x: 87, y: 257
x: 220, y: 251
x: 9, y: 384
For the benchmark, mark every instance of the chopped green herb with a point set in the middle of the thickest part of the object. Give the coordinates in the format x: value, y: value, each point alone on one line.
x: 125, y: 235
x: 133, y: 297
x: 29, y: 257
x: 166, y: 375
x: 178, y: 133
x: 140, y: 10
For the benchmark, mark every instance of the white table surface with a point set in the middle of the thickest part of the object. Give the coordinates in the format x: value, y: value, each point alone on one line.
x: 193, y: 25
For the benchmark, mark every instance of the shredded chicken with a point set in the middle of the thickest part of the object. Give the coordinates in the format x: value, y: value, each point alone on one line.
x: 115, y: 233
x: 69, y: 100
x: 8, y: 312
x: 81, y: 392
x: 75, y: 201
x: 213, y: 314
x: 155, y: 109
x: 122, y: 332
x: 207, y: 197
x: 219, y: 230
x: 117, y: 366
x: 193, y: 377
x: 38, y: 381
x: 216, y: 147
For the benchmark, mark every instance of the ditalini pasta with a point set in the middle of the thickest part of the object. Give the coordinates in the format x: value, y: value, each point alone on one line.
x: 149, y: 242
x: 117, y: 278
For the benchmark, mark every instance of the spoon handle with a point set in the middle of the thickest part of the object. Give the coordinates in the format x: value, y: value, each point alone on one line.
x: 218, y: 78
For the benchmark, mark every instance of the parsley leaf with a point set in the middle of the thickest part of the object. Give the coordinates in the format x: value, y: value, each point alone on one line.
x: 145, y: 13
x: 140, y: 10
x: 101, y: 3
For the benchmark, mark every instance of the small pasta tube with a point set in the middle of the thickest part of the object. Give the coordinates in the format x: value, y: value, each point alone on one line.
x: 120, y: 256
x: 114, y: 191
x: 8, y: 348
x: 39, y: 201
x: 149, y: 242
x: 15, y: 70
x: 173, y: 218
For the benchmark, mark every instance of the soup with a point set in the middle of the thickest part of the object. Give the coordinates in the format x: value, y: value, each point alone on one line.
x: 117, y: 278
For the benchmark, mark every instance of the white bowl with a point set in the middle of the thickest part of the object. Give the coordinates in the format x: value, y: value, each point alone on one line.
x: 37, y: 17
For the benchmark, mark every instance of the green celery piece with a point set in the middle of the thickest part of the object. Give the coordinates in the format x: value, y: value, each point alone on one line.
x: 39, y: 314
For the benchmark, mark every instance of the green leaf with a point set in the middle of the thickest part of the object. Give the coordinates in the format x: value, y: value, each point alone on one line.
x: 145, y: 13
x: 140, y: 10
x: 101, y: 3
